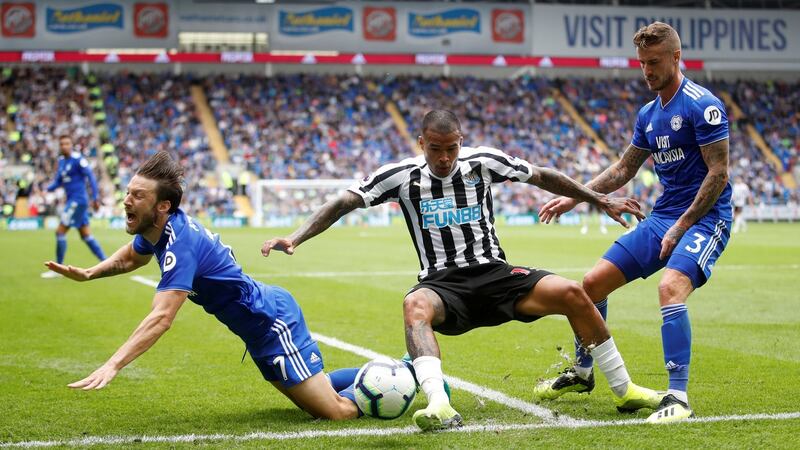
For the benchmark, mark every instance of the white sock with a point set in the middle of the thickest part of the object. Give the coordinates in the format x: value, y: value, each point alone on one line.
x: 583, y: 372
x: 610, y: 363
x: 680, y: 395
x: 430, y: 378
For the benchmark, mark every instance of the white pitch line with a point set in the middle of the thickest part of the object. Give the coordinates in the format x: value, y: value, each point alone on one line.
x: 144, y: 280
x: 458, y: 383
x: 393, y: 273
x: 259, y: 435
x: 477, y: 390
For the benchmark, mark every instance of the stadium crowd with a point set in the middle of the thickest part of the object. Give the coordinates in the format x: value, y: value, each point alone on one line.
x: 40, y: 104
x: 147, y: 113
x: 336, y: 126
x: 304, y: 126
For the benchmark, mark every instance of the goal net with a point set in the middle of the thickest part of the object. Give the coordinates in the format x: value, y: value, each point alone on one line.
x: 287, y: 203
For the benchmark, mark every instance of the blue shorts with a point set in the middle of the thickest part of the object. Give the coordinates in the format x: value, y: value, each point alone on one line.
x: 286, y: 352
x: 636, y: 252
x: 75, y: 215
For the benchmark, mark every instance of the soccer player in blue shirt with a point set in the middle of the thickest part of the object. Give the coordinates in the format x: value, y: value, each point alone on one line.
x: 685, y: 130
x: 73, y: 173
x: 196, y: 265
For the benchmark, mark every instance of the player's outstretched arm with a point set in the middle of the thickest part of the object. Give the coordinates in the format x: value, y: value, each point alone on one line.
x: 558, y: 183
x: 320, y: 221
x: 715, y: 156
x: 611, y: 179
x: 165, y: 306
x: 122, y: 261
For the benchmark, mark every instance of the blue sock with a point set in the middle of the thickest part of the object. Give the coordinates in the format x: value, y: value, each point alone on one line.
x: 582, y: 358
x: 676, y: 337
x: 61, y: 247
x: 349, y: 393
x: 94, y: 247
x: 342, y: 378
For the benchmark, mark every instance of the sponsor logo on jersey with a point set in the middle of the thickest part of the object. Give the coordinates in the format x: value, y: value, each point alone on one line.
x: 713, y: 115
x: 669, y: 156
x: 442, y: 212
x: 169, y: 262
x: 649, y: 128
x: 676, y: 122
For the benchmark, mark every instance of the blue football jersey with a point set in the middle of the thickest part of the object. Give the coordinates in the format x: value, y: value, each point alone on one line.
x: 194, y: 260
x: 73, y: 173
x: 673, y: 134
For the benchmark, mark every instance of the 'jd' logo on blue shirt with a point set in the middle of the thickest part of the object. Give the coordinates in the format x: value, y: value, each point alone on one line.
x: 441, y: 212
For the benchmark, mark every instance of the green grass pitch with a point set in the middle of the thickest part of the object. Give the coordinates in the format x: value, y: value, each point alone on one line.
x: 350, y: 282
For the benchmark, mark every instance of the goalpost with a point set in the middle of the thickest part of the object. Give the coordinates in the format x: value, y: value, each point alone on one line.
x: 287, y: 203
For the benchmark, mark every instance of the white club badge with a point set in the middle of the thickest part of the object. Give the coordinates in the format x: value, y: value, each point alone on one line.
x: 676, y: 122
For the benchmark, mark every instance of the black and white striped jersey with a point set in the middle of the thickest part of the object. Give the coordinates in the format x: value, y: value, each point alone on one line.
x: 450, y: 219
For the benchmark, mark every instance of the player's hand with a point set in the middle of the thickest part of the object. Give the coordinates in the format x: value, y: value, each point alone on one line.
x: 555, y: 208
x: 281, y: 244
x: 95, y: 205
x: 71, y: 272
x: 670, y: 240
x: 97, y: 380
x: 616, y: 207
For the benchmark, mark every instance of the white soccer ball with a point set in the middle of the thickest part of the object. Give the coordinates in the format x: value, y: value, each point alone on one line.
x: 385, y: 388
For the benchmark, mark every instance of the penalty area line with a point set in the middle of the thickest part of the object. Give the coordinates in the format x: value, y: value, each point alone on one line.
x: 378, y: 432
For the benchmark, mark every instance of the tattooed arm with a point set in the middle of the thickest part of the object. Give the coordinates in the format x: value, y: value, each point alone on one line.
x: 611, y: 179
x: 620, y: 172
x: 320, y: 221
x: 715, y: 156
x: 123, y: 260
x: 558, y: 183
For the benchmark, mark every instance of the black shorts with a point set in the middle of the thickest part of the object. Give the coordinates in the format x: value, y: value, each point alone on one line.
x: 482, y: 295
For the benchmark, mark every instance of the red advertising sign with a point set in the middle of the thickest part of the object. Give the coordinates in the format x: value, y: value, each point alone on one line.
x: 508, y: 25
x: 380, y: 24
x: 18, y: 20
x: 150, y: 20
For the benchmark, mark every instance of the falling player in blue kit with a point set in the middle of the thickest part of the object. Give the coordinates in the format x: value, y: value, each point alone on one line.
x: 685, y: 130
x: 195, y: 264
x: 73, y: 173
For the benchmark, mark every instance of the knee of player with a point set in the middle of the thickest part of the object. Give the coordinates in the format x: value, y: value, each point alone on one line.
x: 416, y: 306
x: 591, y: 282
x: 668, y: 293
x: 575, y: 296
x: 345, y: 410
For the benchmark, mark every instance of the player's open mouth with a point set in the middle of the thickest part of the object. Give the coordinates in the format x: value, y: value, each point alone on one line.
x: 130, y: 217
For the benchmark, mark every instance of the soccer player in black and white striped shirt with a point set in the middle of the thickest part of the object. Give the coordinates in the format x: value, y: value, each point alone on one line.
x: 464, y: 280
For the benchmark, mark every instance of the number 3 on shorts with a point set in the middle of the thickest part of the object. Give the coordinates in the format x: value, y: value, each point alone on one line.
x: 697, y: 242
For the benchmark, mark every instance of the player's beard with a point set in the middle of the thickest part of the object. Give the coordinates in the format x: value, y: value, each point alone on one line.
x: 143, y: 222
x: 662, y: 83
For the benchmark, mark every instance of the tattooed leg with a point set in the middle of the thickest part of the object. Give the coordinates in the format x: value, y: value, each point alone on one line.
x: 421, y: 310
